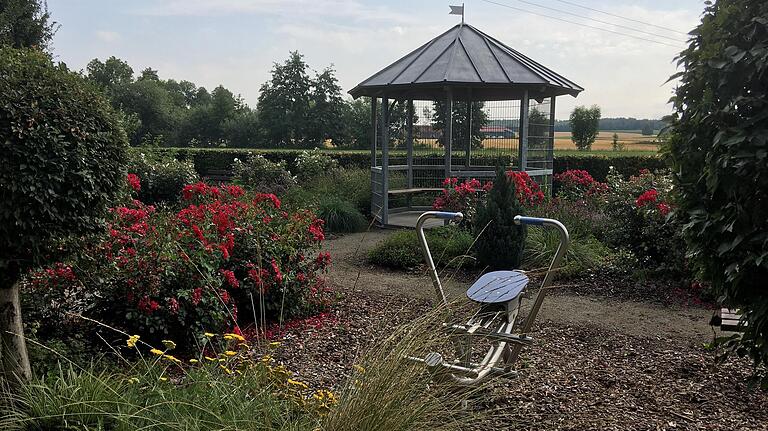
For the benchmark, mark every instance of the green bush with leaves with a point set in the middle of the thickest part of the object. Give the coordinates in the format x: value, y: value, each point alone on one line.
x: 62, y: 163
x: 500, y: 241
x: 450, y: 246
x: 162, y: 177
x: 259, y: 174
x: 313, y: 164
x: 341, y: 216
x: 719, y: 156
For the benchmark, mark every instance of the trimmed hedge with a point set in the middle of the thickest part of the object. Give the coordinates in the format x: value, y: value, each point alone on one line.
x: 209, y: 161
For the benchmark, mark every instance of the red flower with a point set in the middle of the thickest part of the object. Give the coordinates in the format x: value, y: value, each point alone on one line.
x: 663, y: 208
x: 134, y: 182
x: 276, y: 270
x: 173, y: 305
x: 147, y: 306
x: 649, y: 196
x: 267, y: 197
x: 316, y: 229
x: 230, y: 278
x: 197, y: 295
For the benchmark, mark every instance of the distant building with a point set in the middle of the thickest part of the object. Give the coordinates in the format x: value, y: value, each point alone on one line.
x: 497, y: 132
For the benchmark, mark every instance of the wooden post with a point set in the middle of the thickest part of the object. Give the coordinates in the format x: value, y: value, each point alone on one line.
x: 385, y: 160
x: 374, y: 102
x: 523, y: 139
x: 468, y: 152
x: 448, y: 130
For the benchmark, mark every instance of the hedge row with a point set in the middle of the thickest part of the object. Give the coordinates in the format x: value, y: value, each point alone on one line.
x: 215, y: 161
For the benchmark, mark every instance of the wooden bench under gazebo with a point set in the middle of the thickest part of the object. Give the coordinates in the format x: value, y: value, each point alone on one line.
x: 430, y: 109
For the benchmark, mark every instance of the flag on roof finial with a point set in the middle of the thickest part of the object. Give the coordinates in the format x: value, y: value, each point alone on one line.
x: 457, y: 10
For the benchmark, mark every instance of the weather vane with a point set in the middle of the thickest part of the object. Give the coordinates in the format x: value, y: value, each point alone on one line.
x: 457, y: 10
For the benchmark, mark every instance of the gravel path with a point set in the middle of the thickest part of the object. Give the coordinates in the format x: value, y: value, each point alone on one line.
x: 597, y: 363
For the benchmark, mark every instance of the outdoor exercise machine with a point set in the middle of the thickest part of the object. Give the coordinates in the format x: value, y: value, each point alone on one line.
x: 498, y: 296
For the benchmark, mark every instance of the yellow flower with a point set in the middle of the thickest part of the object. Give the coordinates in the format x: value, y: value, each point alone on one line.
x: 163, y: 379
x: 230, y: 353
x: 231, y: 336
x: 132, y: 341
x: 133, y: 380
x: 156, y: 352
x: 211, y: 359
x: 193, y: 361
x: 170, y: 345
x: 359, y: 368
x: 297, y: 383
x: 209, y: 335
x: 172, y: 358
x: 266, y: 358
x: 226, y: 370
x: 274, y: 344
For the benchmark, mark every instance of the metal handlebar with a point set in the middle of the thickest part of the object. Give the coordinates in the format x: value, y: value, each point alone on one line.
x: 450, y: 216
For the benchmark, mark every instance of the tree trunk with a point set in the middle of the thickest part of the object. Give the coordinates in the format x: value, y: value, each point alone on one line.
x: 13, y: 351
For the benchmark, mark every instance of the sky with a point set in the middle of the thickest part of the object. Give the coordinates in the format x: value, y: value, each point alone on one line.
x: 235, y: 42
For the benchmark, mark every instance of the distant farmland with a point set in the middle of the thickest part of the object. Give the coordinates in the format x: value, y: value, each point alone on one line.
x: 633, y: 141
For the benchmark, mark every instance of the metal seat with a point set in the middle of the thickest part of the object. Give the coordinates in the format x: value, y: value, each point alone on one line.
x: 498, y: 287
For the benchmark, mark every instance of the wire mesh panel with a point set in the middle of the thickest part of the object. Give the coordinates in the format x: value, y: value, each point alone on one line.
x: 541, y: 133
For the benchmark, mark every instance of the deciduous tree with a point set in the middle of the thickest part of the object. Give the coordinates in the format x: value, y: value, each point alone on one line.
x: 585, y: 124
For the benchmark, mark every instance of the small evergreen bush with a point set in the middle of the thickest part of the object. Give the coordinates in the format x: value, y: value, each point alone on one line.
x: 500, y: 241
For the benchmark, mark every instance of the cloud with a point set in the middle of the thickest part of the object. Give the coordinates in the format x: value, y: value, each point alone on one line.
x: 348, y: 9
x: 107, y: 36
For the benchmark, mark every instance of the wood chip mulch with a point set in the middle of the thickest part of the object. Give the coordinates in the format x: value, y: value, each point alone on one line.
x: 573, y: 378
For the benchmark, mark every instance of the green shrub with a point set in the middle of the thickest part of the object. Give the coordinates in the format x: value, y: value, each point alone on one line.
x: 341, y: 216
x: 450, y: 245
x: 162, y: 177
x: 347, y: 184
x: 261, y: 175
x: 62, y: 162
x: 313, y: 164
x: 718, y: 154
x: 500, y: 241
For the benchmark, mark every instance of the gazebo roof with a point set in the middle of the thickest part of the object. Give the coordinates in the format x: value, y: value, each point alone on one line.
x: 465, y: 58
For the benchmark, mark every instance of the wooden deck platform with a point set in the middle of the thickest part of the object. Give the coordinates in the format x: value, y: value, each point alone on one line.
x: 408, y: 219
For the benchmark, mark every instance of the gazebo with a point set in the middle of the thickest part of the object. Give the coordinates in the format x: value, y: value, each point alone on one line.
x: 460, y: 106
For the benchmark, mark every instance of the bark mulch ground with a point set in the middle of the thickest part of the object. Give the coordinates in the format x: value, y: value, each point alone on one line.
x: 573, y: 378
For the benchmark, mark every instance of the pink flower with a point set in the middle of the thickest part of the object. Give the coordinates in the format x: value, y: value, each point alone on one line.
x: 663, y: 208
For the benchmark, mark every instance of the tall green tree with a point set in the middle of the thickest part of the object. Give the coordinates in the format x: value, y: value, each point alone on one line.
x: 585, y: 124
x: 284, y: 102
x: 479, y: 119
x: 357, y: 119
x: 718, y: 151
x: 26, y: 23
x: 326, y: 113
x: 647, y: 129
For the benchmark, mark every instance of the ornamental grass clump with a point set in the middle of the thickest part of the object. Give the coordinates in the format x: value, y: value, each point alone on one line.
x: 388, y: 392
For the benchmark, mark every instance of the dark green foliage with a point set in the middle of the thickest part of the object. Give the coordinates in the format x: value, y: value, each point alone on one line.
x: 207, y: 160
x: 459, y: 130
x: 62, y: 159
x: 647, y: 129
x: 25, y: 24
x: 299, y: 111
x: 718, y: 150
x: 585, y: 124
x: 500, y: 241
x: 341, y: 216
x: 162, y: 177
x: 619, y: 123
x: 450, y: 246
